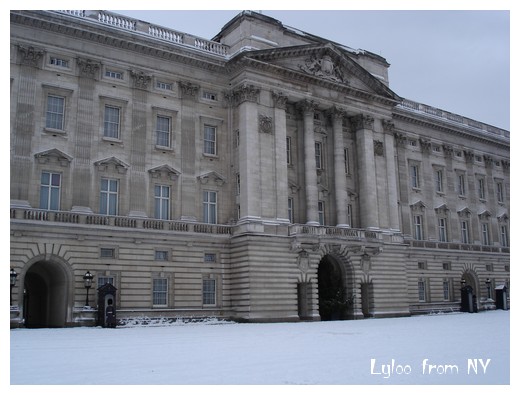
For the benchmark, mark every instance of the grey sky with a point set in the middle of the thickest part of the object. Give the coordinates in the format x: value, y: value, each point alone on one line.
x: 458, y: 61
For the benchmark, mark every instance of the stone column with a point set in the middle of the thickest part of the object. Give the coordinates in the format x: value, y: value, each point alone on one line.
x: 82, y: 173
x: 451, y: 196
x: 189, y: 93
x: 402, y: 169
x: 311, y: 179
x: 280, y: 169
x: 138, y: 188
x: 428, y: 185
x: 472, y: 197
x: 245, y: 99
x: 393, y: 207
x: 369, y: 210
x: 340, y: 179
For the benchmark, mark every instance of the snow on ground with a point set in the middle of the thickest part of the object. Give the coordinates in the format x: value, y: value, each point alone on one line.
x: 458, y: 348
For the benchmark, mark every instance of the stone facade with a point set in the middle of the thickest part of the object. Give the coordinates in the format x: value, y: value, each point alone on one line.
x: 244, y: 178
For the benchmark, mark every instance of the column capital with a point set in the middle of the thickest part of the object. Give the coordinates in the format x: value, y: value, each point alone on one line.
x: 362, y: 121
x: 307, y: 106
x: 448, y: 150
x: 336, y: 113
x: 279, y: 100
x: 88, y: 67
x: 388, y: 125
x: 426, y: 145
x: 245, y: 92
x: 30, y: 56
x: 400, y: 138
x: 188, y: 90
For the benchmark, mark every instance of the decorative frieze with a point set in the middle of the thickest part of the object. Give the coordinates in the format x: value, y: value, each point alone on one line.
x: 141, y: 80
x: 30, y: 56
x: 88, y: 68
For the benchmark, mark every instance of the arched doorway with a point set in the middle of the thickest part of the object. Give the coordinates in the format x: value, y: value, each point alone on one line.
x: 469, y: 298
x: 45, y: 295
x: 332, y: 292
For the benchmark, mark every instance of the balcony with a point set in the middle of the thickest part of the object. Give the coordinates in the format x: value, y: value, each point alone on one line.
x: 457, y: 246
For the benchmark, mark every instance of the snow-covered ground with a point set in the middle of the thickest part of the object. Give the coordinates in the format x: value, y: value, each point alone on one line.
x: 436, y: 349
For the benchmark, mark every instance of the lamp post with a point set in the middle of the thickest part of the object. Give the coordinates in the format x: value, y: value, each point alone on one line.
x: 488, y: 284
x: 87, y: 278
x: 13, y: 282
x: 462, y: 283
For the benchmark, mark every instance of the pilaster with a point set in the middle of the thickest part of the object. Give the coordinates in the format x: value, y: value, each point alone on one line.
x: 391, y: 172
x: 280, y: 169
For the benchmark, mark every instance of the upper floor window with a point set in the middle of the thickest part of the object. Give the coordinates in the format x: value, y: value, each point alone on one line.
x: 161, y: 255
x: 112, y: 122
x: 163, y: 127
x: 209, y: 95
x: 481, y: 186
x: 443, y: 234
x: 504, y: 239
x: 209, y: 205
x: 108, y: 200
x: 485, y: 234
x: 346, y: 157
x: 114, y: 74
x: 164, y: 85
x: 288, y: 144
x: 461, y: 184
x: 418, y: 227
x: 290, y: 209
x: 318, y: 154
x: 59, y: 62
x: 210, y: 140
x: 439, y: 180
x: 414, y: 176
x: 55, y: 114
x: 321, y: 212
x: 464, y: 229
x: 500, y: 192
x: 50, y: 187
x: 162, y: 201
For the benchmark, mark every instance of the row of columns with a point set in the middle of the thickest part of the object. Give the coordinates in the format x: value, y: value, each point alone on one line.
x: 246, y: 103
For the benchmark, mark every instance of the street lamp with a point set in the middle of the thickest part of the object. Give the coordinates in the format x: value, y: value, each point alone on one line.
x: 488, y: 284
x: 462, y: 283
x: 87, y: 278
x: 13, y: 282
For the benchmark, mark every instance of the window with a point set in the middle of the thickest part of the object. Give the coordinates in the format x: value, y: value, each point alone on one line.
x: 209, y: 204
x: 485, y: 234
x: 446, y: 266
x: 209, y: 291
x: 318, y: 155
x: 500, y: 192
x: 464, y: 237
x: 109, y: 196
x: 210, y: 257
x: 50, y: 187
x: 321, y: 212
x: 461, y: 186
x: 209, y: 95
x: 112, y: 122
x: 421, y: 265
x: 442, y: 230
x: 349, y: 214
x: 439, y: 181
x: 238, y: 183
x: 114, y: 74
x: 162, y: 201
x: 346, y: 157
x: 418, y: 227
x: 446, y: 290
x: 55, y: 114
x: 421, y: 285
x: 102, y: 280
x: 504, y: 239
x: 160, y: 292
x: 163, y: 85
x: 163, y: 131
x: 489, y: 267
x: 288, y: 144
x: 210, y: 140
x: 414, y: 176
x: 59, y: 62
x: 161, y: 255
x: 290, y: 210
x: 107, y: 253
x: 481, y: 189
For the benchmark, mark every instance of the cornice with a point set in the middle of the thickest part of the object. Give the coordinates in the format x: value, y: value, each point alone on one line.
x: 129, y: 41
x: 418, y: 119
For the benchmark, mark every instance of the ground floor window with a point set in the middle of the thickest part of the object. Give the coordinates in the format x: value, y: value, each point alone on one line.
x: 209, y: 291
x: 160, y: 291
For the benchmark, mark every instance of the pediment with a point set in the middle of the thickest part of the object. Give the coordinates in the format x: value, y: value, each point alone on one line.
x: 112, y: 162
x: 212, y: 176
x: 484, y: 214
x: 418, y: 206
x: 465, y: 212
x: 164, y: 171
x: 442, y: 209
x: 322, y: 63
x: 53, y: 155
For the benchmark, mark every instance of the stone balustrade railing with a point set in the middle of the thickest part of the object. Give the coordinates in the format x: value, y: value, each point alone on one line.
x: 475, y: 126
x: 150, y: 30
x: 457, y: 246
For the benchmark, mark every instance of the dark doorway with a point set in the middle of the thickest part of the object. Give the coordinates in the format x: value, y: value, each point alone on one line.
x: 333, y: 302
x: 45, y: 296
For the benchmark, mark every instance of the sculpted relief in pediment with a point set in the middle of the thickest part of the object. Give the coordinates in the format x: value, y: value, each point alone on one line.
x: 323, y: 67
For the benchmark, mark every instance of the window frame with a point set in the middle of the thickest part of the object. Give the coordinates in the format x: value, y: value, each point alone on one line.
x: 158, y: 132
x: 318, y: 154
x: 464, y: 235
x: 160, y: 292
x: 209, y: 143
x: 421, y: 290
x: 209, y: 208
x: 209, y: 296
x: 442, y: 225
x: 161, y: 212
x: 414, y: 175
x: 108, y: 194
x: 49, y: 206
x: 418, y: 227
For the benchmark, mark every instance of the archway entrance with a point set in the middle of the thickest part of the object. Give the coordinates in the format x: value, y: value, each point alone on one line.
x: 332, y: 293
x: 45, y: 296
